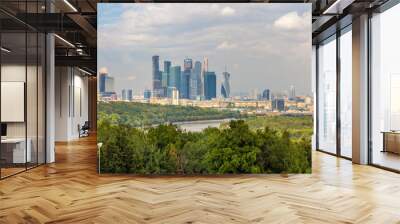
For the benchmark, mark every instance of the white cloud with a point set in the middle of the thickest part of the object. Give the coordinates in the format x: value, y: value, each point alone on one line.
x: 293, y: 21
x: 226, y: 45
x: 227, y: 11
x: 103, y: 70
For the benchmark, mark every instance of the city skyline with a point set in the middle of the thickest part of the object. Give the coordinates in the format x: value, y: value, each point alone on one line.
x: 257, y: 60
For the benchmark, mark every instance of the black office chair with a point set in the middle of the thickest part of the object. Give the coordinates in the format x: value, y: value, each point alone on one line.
x: 84, y: 130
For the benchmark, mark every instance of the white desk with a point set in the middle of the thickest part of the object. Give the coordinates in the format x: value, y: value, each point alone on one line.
x: 19, y: 154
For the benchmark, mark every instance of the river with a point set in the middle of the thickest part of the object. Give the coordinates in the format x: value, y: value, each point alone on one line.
x: 197, y: 126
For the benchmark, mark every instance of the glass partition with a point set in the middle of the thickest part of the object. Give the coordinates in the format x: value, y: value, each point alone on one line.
x: 385, y: 89
x: 346, y: 92
x: 327, y: 95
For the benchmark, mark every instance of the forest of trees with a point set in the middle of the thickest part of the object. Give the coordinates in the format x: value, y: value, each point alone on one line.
x: 144, y: 114
x: 166, y: 149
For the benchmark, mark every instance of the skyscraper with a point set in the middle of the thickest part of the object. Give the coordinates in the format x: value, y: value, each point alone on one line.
x: 147, y: 94
x: 130, y: 95
x: 197, y: 73
x: 210, y: 85
x: 175, y: 77
x: 164, y: 83
x: 156, y: 74
x: 102, y: 82
x: 123, y: 95
x: 204, y: 69
x: 184, y: 91
x: 225, y: 86
x: 167, y: 66
x: 187, y: 64
x: 292, y: 92
x: 266, y: 94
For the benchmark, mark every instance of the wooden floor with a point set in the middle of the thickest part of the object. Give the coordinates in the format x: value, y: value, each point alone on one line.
x: 70, y: 191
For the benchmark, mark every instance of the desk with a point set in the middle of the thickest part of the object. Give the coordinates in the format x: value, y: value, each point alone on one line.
x: 13, y: 150
x: 391, y: 141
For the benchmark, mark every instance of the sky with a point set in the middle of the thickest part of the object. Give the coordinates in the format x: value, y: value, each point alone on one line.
x: 262, y: 45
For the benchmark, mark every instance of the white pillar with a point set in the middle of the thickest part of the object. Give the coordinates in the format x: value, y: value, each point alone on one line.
x: 360, y: 90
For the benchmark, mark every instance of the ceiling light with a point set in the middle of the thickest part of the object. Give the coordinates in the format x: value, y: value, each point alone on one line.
x: 70, y: 5
x: 5, y: 50
x: 65, y: 41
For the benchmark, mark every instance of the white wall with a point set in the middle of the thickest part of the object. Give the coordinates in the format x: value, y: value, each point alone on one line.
x: 71, y: 103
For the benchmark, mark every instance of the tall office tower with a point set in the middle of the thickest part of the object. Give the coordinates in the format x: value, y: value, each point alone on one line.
x: 175, y: 77
x: 123, y: 95
x: 187, y: 64
x: 193, y: 86
x: 147, y: 94
x: 204, y: 69
x: 292, y: 92
x: 156, y: 74
x: 164, y: 83
x: 130, y: 95
x: 225, y: 85
x: 102, y: 82
x: 167, y: 66
x: 184, y: 91
x: 197, y: 72
x: 210, y: 85
x: 109, y: 84
x: 266, y: 94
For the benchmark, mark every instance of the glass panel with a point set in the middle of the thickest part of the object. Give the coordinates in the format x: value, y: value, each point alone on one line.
x: 13, y: 86
x: 327, y: 95
x: 386, y: 89
x: 346, y: 93
x: 41, y: 98
x: 31, y: 98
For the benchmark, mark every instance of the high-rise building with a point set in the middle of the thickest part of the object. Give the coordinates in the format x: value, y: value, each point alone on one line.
x: 187, y: 64
x: 175, y: 77
x: 109, y: 84
x: 167, y: 66
x: 225, y: 85
x: 204, y: 69
x: 130, y: 95
x: 292, y: 92
x: 123, y: 95
x: 156, y: 74
x: 184, y: 91
x: 278, y: 104
x: 147, y: 94
x: 197, y: 73
x: 266, y: 94
x: 102, y: 82
x: 210, y: 85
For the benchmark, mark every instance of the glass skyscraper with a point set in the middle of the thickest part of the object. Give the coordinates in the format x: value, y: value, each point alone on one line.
x: 225, y: 86
x: 210, y: 85
x: 175, y: 77
x: 156, y: 74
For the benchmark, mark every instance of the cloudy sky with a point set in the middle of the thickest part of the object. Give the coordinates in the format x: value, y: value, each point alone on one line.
x: 262, y: 45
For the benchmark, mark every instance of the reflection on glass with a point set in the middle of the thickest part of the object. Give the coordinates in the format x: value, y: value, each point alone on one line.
x: 327, y: 96
x: 386, y: 89
x: 346, y: 94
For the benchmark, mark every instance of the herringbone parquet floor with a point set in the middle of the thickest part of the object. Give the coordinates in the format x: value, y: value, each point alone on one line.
x: 70, y: 191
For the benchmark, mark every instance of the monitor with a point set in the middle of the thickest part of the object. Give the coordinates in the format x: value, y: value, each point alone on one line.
x: 3, y: 129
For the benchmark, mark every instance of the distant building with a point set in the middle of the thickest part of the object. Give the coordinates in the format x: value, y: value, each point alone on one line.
x: 292, y: 93
x: 266, y: 95
x: 278, y: 105
x: 130, y: 95
x: 173, y: 94
x: 102, y: 82
x: 225, y: 85
x: 164, y: 83
x: 167, y: 66
x: 147, y: 94
x: 175, y: 77
x: 197, y: 73
x: 156, y: 74
x: 123, y: 95
x: 184, y: 91
x: 210, y: 85
x: 187, y: 64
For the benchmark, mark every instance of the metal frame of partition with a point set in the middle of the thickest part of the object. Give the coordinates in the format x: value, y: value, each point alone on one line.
x: 43, y: 117
x: 337, y: 34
